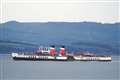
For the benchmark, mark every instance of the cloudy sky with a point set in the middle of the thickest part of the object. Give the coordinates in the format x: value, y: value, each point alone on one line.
x: 105, y: 11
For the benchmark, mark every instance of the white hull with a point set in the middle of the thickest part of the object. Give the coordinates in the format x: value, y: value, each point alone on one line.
x: 36, y: 57
x: 93, y: 58
x: 60, y: 58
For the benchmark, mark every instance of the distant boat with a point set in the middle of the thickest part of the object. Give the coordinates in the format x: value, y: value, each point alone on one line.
x: 49, y: 54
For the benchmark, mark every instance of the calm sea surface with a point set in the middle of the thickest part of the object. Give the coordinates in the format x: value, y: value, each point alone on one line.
x: 51, y: 70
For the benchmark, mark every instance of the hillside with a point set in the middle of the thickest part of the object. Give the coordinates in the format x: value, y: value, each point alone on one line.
x: 85, y: 36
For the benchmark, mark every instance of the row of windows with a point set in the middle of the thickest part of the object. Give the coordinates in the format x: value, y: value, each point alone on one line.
x: 41, y: 57
x: 44, y: 49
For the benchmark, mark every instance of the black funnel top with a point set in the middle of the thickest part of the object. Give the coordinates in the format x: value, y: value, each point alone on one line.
x: 62, y: 46
x: 53, y: 46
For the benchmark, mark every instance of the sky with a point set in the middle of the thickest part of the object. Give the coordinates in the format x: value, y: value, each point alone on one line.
x: 104, y: 11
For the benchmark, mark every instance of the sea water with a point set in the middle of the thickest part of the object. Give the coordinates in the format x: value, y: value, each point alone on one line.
x: 58, y: 70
